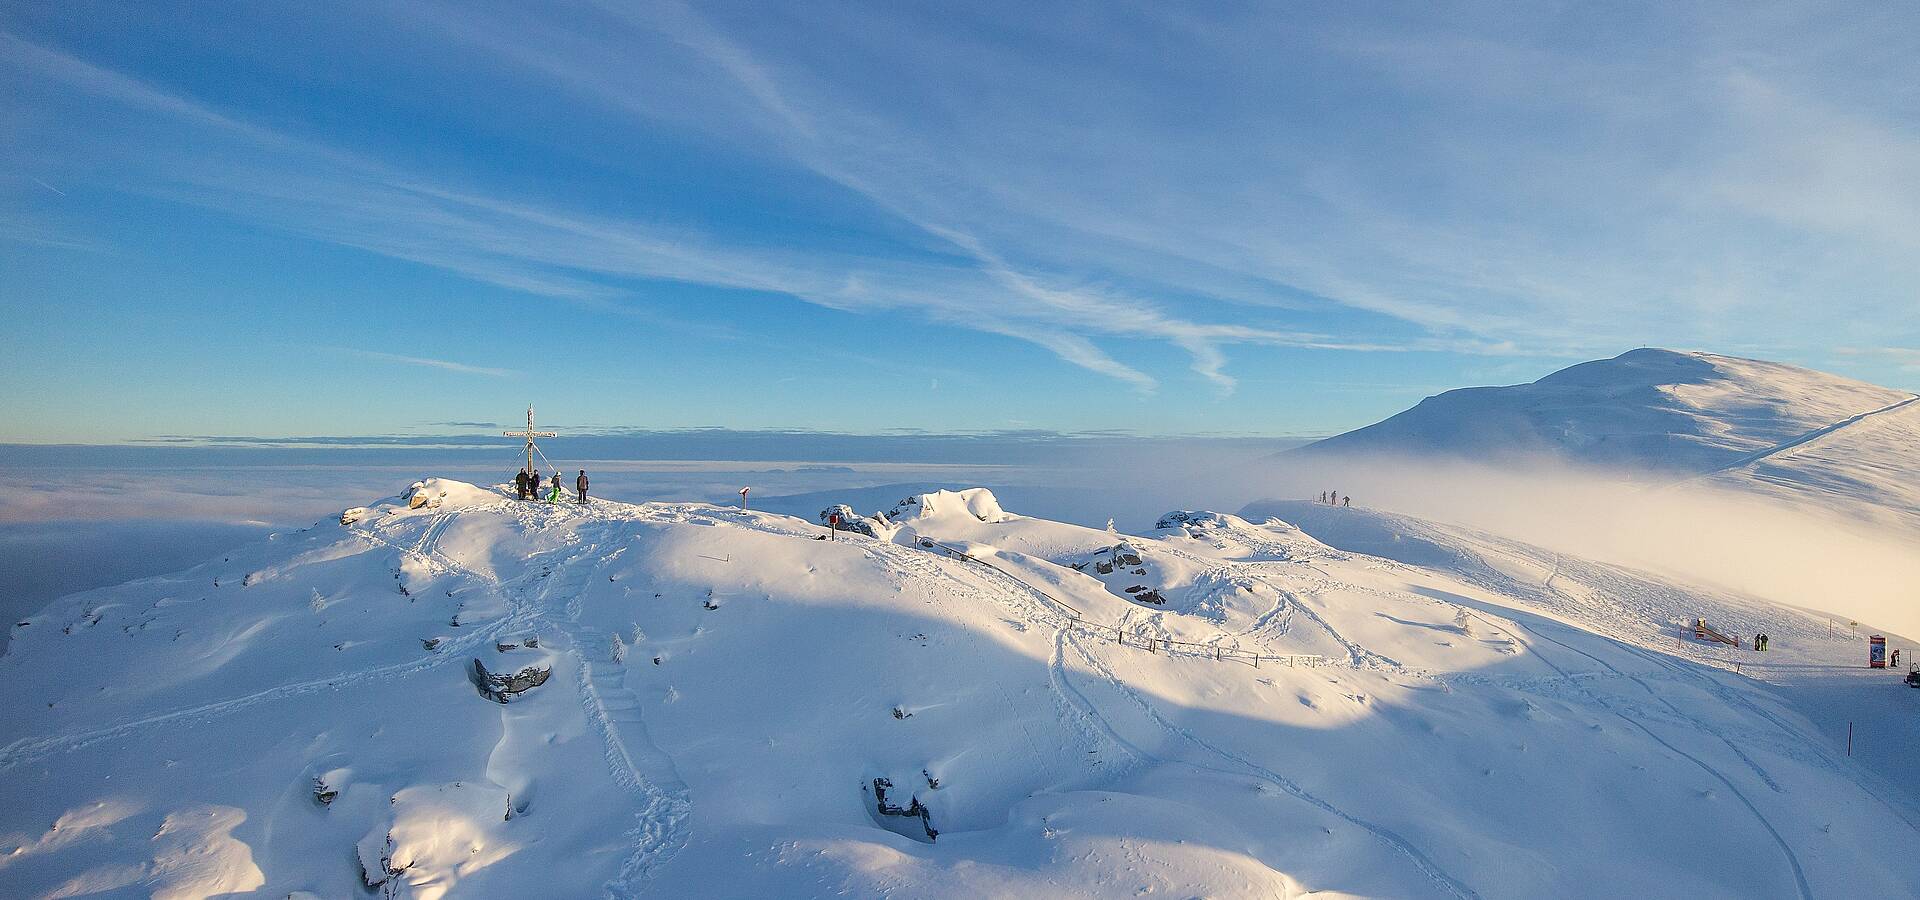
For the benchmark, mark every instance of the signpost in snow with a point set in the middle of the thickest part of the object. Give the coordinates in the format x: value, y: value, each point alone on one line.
x: 743, y: 498
x: 530, y: 434
x: 1876, y: 652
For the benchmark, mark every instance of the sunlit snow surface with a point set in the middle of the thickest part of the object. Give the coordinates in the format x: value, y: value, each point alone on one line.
x: 724, y: 688
x: 1818, y: 440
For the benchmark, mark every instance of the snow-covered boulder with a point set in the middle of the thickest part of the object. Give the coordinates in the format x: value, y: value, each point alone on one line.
x: 978, y: 504
x: 437, y: 835
x: 445, y: 493
x: 1194, y: 522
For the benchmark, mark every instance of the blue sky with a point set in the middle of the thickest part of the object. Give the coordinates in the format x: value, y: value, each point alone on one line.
x: 343, y: 219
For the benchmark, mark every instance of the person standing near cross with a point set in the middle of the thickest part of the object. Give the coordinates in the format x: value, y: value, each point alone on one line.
x: 532, y: 474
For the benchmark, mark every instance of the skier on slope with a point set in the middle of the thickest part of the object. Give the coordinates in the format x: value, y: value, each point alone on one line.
x: 1347, y: 501
x: 581, y: 484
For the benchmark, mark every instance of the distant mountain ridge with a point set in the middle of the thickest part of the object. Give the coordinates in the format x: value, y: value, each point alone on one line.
x: 1751, y: 424
x: 1681, y: 412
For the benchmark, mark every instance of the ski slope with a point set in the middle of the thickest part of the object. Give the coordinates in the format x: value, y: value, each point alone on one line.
x: 723, y: 688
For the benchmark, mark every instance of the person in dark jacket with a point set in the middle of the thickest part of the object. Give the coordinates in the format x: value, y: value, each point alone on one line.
x: 520, y: 483
x: 533, y: 484
x: 581, y: 483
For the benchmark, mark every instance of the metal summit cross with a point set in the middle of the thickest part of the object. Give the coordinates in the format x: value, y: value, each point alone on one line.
x: 529, y: 434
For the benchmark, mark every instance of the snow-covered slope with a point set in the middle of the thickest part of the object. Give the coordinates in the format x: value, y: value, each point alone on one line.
x: 1645, y: 409
x: 1746, y: 424
x: 705, y: 702
x: 1647, y: 611
x: 1869, y: 465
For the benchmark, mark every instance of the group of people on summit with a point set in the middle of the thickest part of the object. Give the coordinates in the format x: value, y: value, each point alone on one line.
x: 528, y: 484
x: 1333, y: 498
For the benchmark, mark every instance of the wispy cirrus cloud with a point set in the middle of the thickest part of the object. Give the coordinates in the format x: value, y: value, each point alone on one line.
x: 223, y: 162
x: 1496, y: 187
x: 441, y: 364
x: 1201, y: 181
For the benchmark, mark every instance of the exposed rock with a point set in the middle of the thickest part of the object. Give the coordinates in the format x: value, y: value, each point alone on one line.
x: 914, y: 809
x: 500, y: 688
x: 852, y: 521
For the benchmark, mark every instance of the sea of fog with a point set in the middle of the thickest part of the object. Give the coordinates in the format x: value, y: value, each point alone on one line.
x: 98, y: 516
x: 104, y: 515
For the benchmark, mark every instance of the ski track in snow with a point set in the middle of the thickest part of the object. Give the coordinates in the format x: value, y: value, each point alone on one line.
x: 1357, y: 656
x: 549, y: 596
x: 1392, y: 839
x: 1420, y: 860
x: 27, y: 750
x: 1614, y: 588
x: 1786, y: 850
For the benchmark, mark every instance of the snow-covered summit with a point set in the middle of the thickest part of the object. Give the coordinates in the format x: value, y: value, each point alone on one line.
x: 1647, y: 410
x: 490, y: 697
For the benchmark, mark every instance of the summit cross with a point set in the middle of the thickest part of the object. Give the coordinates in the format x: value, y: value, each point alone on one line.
x: 529, y: 434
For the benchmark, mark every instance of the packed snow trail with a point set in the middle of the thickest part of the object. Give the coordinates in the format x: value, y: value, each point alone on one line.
x: 1808, y: 438
x: 637, y: 766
